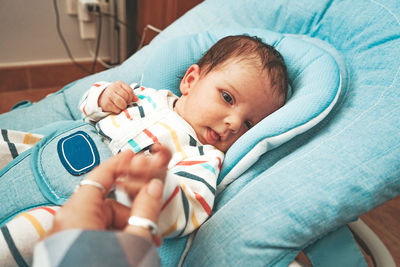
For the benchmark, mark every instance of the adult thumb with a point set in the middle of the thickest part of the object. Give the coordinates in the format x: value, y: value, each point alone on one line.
x: 147, y: 205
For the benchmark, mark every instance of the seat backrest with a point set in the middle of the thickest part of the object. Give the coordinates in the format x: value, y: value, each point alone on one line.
x: 314, y: 76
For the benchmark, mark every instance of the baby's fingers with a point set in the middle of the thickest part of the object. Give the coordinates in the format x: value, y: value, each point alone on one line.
x: 151, y: 166
x: 106, y: 102
x: 119, y: 102
x: 131, y: 97
x: 126, y: 92
x: 111, y: 107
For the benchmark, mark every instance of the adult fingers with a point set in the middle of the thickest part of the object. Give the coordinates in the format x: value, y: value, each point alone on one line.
x: 162, y: 155
x: 140, y: 167
x: 109, y: 171
x: 86, y: 207
x: 160, y: 159
x: 144, y: 168
x: 147, y: 204
x: 132, y: 187
x: 116, y: 214
x: 140, y: 172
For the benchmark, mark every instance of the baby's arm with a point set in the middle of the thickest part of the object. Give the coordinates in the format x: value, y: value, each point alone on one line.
x: 104, y: 98
x: 189, y: 194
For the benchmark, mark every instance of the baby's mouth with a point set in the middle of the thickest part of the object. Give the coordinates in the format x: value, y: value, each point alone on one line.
x: 212, y: 136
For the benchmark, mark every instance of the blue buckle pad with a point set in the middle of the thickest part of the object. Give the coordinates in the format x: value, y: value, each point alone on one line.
x: 78, y: 153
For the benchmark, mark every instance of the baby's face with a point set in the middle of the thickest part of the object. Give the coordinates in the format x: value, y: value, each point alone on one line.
x: 225, y: 103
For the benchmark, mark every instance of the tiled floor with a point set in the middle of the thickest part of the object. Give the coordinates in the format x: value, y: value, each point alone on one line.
x: 383, y: 220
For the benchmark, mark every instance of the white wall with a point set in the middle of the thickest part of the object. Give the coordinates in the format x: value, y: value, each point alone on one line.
x: 28, y: 34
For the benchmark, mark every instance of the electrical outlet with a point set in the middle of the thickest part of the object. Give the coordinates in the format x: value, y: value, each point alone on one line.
x: 72, y: 7
x: 87, y: 16
x: 83, y: 9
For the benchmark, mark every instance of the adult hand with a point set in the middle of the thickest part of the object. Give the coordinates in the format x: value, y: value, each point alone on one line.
x: 142, y: 178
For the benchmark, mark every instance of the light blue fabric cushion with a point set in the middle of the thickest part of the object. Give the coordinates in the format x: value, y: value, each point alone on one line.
x: 326, y: 177
x: 314, y: 76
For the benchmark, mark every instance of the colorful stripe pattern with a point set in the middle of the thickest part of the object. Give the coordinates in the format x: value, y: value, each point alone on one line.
x: 35, y: 223
x: 135, y: 147
x: 11, y: 146
x: 21, y: 233
x: 148, y: 99
x: 175, y: 138
x: 196, y: 178
x: 152, y: 136
x: 203, y: 203
x: 127, y: 114
x: 12, y: 247
x: 100, y: 131
x: 13, y: 143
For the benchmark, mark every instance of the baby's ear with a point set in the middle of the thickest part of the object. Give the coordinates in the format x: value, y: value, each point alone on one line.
x: 192, y: 75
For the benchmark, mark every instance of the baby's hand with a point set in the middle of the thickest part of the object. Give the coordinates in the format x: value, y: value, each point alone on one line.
x: 116, y: 97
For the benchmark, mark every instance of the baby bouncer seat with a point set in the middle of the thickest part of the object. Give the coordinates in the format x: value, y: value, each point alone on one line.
x: 297, y: 178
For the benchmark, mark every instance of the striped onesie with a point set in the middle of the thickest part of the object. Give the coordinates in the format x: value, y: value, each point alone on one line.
x: 190, y: 185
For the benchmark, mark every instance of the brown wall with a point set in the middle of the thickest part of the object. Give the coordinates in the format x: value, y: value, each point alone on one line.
x: 160, y: 13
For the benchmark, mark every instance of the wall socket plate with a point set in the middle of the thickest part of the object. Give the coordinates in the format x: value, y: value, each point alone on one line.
x: 72, y: 6
x: 87, y: 25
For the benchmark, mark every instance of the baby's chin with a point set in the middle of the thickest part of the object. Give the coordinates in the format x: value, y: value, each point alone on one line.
x: 221, y: 146
x: 223, y: 149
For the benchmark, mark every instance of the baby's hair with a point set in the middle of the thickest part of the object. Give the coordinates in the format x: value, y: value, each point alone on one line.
x: 252, y: 49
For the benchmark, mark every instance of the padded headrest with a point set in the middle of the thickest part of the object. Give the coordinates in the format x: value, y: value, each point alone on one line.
x: 314, y: 77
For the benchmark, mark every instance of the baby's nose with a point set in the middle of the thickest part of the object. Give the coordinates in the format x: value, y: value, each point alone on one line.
x: 234, y: 123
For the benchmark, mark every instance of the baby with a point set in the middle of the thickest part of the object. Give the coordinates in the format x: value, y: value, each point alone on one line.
x: 238, y: 82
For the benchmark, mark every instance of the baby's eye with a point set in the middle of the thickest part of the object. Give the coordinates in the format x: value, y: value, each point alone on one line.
x: 227, y: 97
x: 248, y: 124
